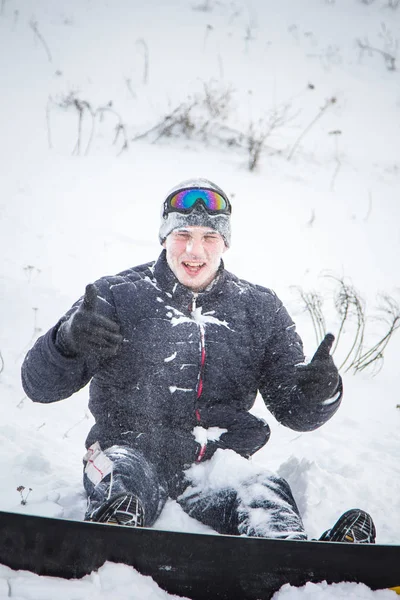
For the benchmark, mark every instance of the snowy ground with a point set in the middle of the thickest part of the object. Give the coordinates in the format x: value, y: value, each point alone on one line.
x: 321, y: 76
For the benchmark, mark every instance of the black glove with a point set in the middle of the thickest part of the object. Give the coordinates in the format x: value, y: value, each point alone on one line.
x: 184, y: 449
x: 88, y: 333
x: 245, y: 433
x: 319, y: 380
x: 171, y: 450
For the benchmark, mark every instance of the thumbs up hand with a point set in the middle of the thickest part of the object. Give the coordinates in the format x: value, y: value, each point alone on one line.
x: 87, y: 332
x: 319, y: 380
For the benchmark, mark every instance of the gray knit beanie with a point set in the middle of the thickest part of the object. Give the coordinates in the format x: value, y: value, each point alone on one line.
x: 198, y: 217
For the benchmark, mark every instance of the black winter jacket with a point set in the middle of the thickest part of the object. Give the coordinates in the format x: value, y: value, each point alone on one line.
x: 186, y: 360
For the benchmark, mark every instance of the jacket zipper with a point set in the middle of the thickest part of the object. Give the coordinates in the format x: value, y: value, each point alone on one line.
x: 200, y: 376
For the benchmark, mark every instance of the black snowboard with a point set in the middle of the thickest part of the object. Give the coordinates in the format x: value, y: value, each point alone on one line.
x: 201, y: 567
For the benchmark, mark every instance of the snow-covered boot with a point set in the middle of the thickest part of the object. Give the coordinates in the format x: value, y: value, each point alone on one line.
x: 354, y: 526
x: 124, y: 509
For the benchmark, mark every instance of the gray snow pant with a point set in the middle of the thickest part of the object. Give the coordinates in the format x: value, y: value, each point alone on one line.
x: 261, y: 506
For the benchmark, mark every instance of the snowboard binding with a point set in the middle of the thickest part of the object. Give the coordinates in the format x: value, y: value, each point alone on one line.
x: 124, y: 509
x: 355, y: 527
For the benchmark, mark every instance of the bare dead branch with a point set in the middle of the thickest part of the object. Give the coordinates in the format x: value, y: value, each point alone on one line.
x: 83, y: 109
x: 257, y: 136
x: 390, y: 311
x: 390, y: 60
x: 353, y: 320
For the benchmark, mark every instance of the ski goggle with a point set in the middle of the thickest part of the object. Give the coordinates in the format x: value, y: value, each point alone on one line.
x: 185, y: 201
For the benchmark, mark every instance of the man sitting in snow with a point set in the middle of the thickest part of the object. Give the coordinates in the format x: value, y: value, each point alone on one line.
x: 176, y: 351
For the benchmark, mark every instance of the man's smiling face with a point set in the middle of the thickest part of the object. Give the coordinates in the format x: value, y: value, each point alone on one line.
x: 194, y: 255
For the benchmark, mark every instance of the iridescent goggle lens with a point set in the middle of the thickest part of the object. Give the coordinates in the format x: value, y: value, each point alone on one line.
x: 185, y: 200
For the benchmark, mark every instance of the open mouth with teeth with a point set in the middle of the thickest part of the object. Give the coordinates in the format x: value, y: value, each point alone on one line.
x: 192, y: 268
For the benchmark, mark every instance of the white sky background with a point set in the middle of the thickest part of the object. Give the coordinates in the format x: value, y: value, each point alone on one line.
x: 332, y: 208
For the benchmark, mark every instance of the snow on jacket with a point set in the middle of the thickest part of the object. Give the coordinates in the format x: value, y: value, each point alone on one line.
x: 187, y: 360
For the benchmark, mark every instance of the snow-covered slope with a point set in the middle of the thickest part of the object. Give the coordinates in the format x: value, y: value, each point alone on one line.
x: 105, y: 106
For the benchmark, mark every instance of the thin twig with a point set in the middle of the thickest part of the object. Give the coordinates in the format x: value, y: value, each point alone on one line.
x: 67, y: 432
x: 121, y: 129
x: 21, y: 402
x: 369, y: 207
x: 129, y: 86
x: 82, y: 106
x: 336, y: 133
x: 313, y: 305
x: 34, y: 27
x: 344, y: 314
x: 49, y: 140
x: 327, y: 104
x: 357, y: 341
x: 145, y: 47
